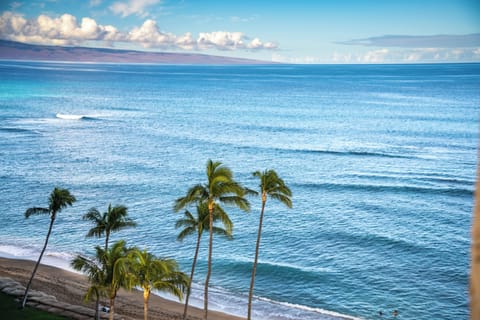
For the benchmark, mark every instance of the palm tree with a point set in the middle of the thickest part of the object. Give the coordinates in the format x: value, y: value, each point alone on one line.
x: 114, y: 219
x: 59, y: 199
x: 115, y: 266
x: 198, y: 225
x: 150, y: 272
x: 220, y: 188
x: 475, y: 259
x: 271, y: 185
x: 96, y: 275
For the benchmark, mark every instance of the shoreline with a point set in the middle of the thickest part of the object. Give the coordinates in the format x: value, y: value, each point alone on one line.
x: 70, y: 287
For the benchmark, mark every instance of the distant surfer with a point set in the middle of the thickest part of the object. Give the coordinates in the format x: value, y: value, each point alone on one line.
x: 395, y: 313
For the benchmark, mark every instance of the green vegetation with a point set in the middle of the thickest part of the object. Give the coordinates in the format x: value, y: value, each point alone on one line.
x: 199, y: 225
x: 150, y: 272
x: 271, y: 185
x: 9, y: 310
x: 114, y: 219
x: 118, y: 266
x: 59, y: 199
x: 220, y: 188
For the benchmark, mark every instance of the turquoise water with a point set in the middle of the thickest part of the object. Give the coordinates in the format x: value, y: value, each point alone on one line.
x: 381, y: 160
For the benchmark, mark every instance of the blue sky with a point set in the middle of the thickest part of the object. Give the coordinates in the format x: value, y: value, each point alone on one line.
x: 301, y: 31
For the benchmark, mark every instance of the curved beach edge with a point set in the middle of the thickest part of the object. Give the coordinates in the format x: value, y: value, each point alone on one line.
x: 69, y: 288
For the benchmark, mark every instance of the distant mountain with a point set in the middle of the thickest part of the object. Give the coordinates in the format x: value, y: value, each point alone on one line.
x: 22, y: 51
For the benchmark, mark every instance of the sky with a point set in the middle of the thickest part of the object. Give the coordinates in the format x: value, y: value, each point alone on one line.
x: 300, y: 31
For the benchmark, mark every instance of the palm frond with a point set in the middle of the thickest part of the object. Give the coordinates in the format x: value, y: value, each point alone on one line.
x: 195, y: 194
x: 219, y: 213
x: 286, y: 200
x: 222, y: 232
x: 237, y: 201
x: 92, y: 215
x: 36, y: 211
x: 186, y: 232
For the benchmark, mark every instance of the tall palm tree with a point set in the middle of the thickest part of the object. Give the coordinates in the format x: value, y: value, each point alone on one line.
x: 150, y: 272
x: 59, y: 199
x: 198, y: 225
x: 475, y: 259
x: 271, y: 185
x: 96, y: 275
x: 114, y: 219
x: 220, y: 188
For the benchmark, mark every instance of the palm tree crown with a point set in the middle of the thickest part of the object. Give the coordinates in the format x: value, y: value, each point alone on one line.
x: 114, y: 219
x: 273, y: 186
x: 200, y: 223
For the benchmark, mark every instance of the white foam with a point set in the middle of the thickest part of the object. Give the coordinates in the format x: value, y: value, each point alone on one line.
x: 220, y: 299
x: 69, y: 116
x: 51, y: 258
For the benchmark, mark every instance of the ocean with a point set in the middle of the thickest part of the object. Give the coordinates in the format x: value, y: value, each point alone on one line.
x: 381, y: 160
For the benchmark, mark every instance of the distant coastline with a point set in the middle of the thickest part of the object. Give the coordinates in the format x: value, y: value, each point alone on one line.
x: 11, y: 50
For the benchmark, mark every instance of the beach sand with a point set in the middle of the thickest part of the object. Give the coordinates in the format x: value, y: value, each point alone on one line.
x: 70, y: 287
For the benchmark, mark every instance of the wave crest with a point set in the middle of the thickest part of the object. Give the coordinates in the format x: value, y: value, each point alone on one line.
x: 64, y: 116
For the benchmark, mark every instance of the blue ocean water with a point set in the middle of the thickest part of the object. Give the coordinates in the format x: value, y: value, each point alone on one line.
x: 381, y: 160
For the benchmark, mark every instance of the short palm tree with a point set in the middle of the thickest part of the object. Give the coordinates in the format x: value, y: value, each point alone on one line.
x: 59, y: 199
x: 198, y: 225
x: 115, y: 265
x: 271, y: 185
x: 150, y: 272
x: 96, y: 275
x: 114, y: 219
x: 220, y: 188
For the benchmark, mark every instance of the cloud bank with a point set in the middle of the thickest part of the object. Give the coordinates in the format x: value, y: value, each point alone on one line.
x: 66, y: 30
x: 417, y: 55
x: 403, y: 41
x: 404, y: 48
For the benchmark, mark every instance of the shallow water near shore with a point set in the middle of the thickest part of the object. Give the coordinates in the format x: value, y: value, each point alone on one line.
x: 381, y: 160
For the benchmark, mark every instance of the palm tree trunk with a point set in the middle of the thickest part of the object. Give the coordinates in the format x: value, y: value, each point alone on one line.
x: 112, y: 306
x: 97, y: 305
x: 475, y: 269
x: 191, y: 275
x: 252, y: 281
x: 52, y: 220
x: 146, y: 295
x: 209, y: 269
x: 107, y: 236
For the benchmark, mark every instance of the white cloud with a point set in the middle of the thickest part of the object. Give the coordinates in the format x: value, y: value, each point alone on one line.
x: 148, y: 36
x: 429, y: 41
x: 417, y: 55
x: 136, y: 7
x: 375, y: 56
x: 66, y: 30
x: 186, y: 42
x: 296, y: 60
x: 223, y: 40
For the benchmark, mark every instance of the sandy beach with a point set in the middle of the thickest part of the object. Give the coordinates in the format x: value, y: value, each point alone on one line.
x: 70, y: 287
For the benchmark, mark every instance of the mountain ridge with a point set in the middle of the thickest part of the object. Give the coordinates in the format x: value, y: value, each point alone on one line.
x: 11, y: 50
